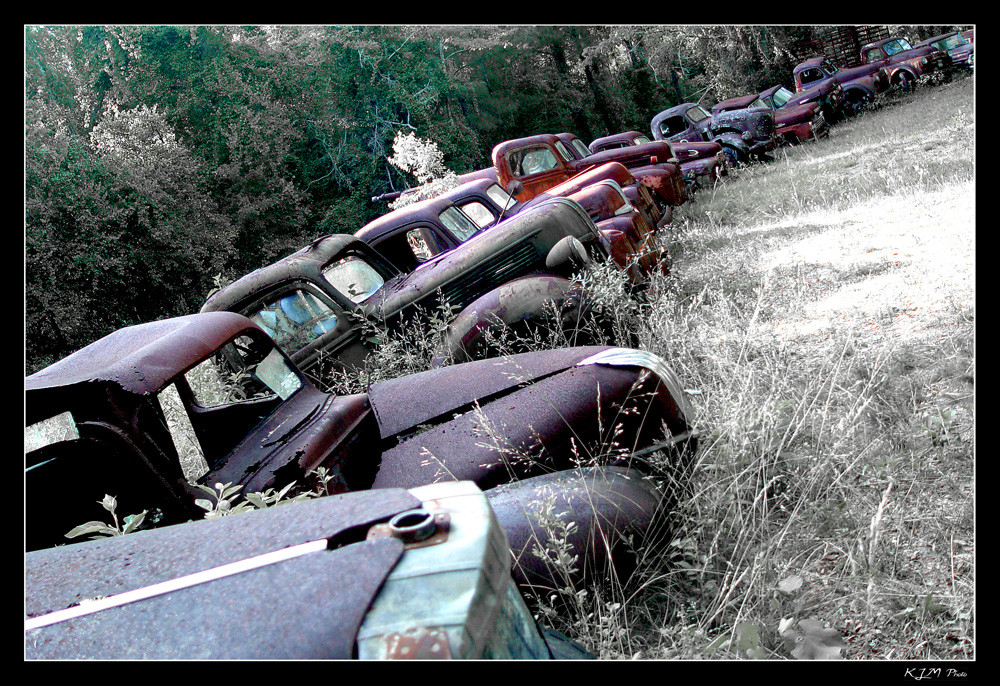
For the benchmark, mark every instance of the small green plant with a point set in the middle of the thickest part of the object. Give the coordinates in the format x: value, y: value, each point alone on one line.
x: 224, y: 499
x: 97, y: 529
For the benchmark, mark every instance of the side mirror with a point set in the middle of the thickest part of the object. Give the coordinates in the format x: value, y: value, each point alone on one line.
x: 514, y: 187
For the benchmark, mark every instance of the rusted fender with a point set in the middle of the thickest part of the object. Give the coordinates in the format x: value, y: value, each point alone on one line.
x: 608, y: 517
x: 517, y: 302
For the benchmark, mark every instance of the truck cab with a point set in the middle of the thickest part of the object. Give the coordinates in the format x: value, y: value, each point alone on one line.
x: 744, y: 135
x: 700, y: 161
x: 157, y: 413
x: 860, y: 84
x: 315, y: 301
x: 794, y: 123
x: 904, y: 64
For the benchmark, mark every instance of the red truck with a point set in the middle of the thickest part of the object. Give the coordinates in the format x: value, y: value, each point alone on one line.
x: 699, y: 160
x: 545, y: 160
x: 904, y: 64
x: 860, y: 84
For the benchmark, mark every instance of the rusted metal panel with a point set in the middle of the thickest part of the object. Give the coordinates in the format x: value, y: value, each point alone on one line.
x: 322, y: 597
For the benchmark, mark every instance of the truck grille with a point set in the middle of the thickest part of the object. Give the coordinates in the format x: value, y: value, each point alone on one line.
x: 519, y: 260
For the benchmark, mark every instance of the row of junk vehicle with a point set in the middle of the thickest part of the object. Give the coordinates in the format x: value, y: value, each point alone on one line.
x: 439, y: 488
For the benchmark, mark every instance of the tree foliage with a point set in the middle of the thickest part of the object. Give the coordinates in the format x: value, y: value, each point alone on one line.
x: 158, y: 157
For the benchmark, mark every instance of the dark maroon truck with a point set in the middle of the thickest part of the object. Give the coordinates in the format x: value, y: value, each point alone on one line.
x: 794, y: 123
x: 542, y: 161
x: 315, y: 301
x: 904, y: 64
x: 700, y: 161
x: 960, y: 49
x: 156, y: 413
x: 860, y: 84
x: 414, y: 233
x: 744, y: 135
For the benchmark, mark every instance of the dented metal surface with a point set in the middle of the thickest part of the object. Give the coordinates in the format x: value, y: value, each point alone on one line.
x: 541, y: 409
x: 351, y: 576
x: 528, y: 243
x: 614, y: 510
x: 743, y: 134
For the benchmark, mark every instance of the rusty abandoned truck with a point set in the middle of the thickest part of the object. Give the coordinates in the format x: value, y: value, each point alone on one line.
x: 152, y: 411
x: 794, y: 123
x: 314, y: 302
x: 860, y: 84
x: 744, y: 135
x: 412, y: 234
x: 700, y: 161
x: 961, y: 51
x: 335, y: 578
x: 904, y: 64
x: 542, y: 161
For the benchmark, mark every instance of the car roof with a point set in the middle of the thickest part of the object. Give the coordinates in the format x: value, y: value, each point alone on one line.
x: 809, y: 63
x: 735, y: 103
x: 142, y: 358
x: 422, y: 210
x: 304, y: 263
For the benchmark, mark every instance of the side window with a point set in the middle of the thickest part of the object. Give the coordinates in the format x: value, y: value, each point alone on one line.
x: 501, y: 198
x: 479, y: 213
x: 673, y: 126
x: 295, y: 319
x: 61, y: 427
x: 420, y: 246
x: 873, y: 55
x: 353, y: 278
x: 582, y: 150
x: 186, y: 443
x: 532, y: 161
x: 409, y: 248
x: 246, y: 368
x: 810, y: 75
x: 564, y: 151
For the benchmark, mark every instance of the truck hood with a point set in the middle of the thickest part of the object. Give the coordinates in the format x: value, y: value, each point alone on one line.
x: 788, y: 116
x: 491, y: 420
x: 758, y: 121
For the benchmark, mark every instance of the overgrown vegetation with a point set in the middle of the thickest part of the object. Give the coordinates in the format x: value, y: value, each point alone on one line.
x: 820, y: 313
x: 828, y: 341
x: 160, y: 157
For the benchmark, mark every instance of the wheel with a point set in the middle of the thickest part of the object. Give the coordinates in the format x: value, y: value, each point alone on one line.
x: 905, y: 82
x: 856, y: 104
x: 732, y: 155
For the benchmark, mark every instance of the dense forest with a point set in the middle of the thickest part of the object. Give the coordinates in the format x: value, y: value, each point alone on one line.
x: 160, y: 159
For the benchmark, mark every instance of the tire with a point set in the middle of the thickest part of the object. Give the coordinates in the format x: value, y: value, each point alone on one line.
x: 906, y: 83
x: 856, y: 104
x: 733, y: 155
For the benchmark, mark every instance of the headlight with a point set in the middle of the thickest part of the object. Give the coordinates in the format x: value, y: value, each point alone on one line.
x: 455, y: 598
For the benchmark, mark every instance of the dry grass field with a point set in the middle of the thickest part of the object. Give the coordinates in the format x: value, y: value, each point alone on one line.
x: 821, y: 314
